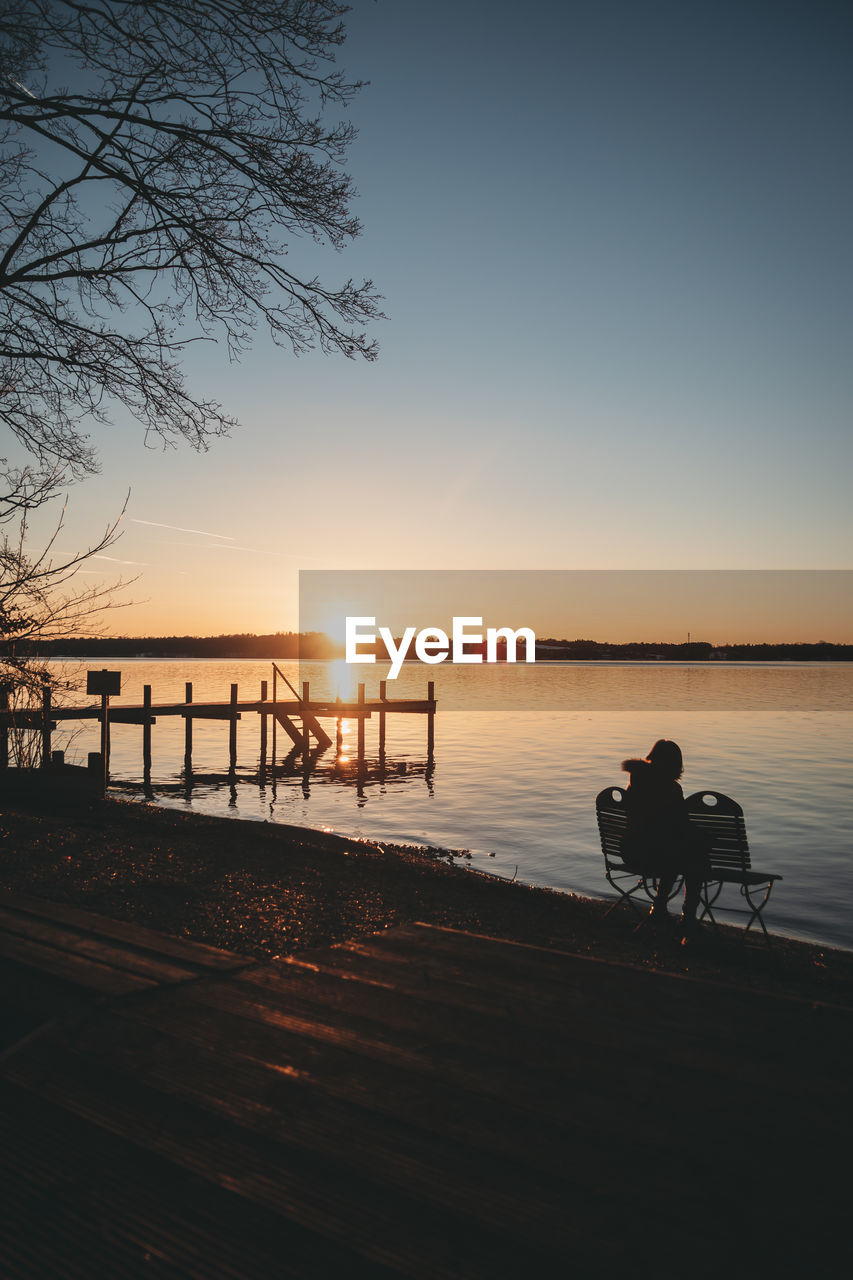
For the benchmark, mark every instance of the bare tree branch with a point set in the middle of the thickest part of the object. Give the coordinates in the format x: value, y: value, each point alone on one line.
x: 160, y: 201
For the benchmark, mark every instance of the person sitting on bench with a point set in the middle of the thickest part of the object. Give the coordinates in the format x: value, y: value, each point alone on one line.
x: 659, y: 842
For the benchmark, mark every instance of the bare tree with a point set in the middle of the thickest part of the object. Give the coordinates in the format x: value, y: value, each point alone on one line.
x: 160, y: 199
x: 41, y: 599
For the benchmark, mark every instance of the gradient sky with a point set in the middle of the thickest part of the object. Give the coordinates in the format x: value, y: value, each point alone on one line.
x: 614, y: 245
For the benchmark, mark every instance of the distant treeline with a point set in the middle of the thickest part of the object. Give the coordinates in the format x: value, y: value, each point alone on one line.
x: 283, y: 644
x: 315, y: 644
x: 697, y: 650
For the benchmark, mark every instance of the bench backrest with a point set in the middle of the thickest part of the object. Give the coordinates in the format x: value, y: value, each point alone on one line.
x: 721, y: 820
x: 612, y: 814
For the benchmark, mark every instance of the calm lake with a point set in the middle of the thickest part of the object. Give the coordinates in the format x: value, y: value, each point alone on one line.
x: 516, y: 788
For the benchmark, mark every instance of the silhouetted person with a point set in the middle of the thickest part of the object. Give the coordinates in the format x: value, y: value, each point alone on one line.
x: 659, y: 841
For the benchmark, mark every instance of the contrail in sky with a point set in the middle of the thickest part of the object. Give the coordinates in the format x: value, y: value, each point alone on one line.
x: 115, y: 560
x: 258, y: 551
x: 180, y: 529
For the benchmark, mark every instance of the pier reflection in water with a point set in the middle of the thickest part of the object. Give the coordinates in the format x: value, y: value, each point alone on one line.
x: 320, y: 766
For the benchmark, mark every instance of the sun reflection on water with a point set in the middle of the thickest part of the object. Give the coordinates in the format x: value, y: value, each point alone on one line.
x: 343, y: 680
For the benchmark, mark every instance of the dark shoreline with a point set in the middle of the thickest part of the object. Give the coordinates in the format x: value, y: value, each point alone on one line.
x: 269, y: 890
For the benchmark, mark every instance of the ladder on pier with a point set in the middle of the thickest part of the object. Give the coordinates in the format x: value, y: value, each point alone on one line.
x: 310, y: 723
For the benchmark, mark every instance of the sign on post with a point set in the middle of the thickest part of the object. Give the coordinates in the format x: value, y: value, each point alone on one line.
x: 106, y: 683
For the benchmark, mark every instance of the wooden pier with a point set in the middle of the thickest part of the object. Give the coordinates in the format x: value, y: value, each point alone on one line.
x: 298, y: 716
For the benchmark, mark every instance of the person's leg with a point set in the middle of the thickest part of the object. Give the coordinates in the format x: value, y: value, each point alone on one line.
x: 664, y: 889
x: 693, y: 881
x: 666, y: 872
x: 697, y: 867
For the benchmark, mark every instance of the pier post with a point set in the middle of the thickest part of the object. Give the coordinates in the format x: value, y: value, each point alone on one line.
x: 188, y: 732
x: 45, y: 726
x: 105, y: 737
x: 306, y: 732
x: 146, y: 735
x: 431, y: 721
x: 274, y: 720
x: 232, y: 732
x: 360, y: 727
x: 339, y: 728
x: 306, y: 751
x: 382, y: 729
x: 361, y: 774
x: 263, y: 729
x: 4, y: 729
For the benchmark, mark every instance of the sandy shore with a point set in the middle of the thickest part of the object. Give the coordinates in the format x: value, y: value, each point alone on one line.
x: 268, y: 890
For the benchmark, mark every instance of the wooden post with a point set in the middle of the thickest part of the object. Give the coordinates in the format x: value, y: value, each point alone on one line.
x: 105, y: 737
x: 360, y: 776
x: 146, y: 735
x: 381, y: 726
x: 4, y: 729
x: 360, y: 727
x: 339, y: 729
x: 431, y: 721
x: 188, y: 731
x: 45, y: 726
x: 274, y: 721
x: 263, y: 728
x: 232, y: 731
x: 306, y: 732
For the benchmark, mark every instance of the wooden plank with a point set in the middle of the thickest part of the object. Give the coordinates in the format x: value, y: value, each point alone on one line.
x: 379, y: 1221
x: 74, y: 942
x: 252, y: 1134
x: 137, y: 714
x: 683, y: 1023
x: 481, y: 1052
x: 530, y: 1008
x: 135, y: 1211
x: 288, y: 726
x: 397, y: 1079
x: 406, y: 1109
x: 196, y: 954
x: 272, y: 1100
x: 78, y: 970
x: 532, y: 1078
x: 502, y: 1110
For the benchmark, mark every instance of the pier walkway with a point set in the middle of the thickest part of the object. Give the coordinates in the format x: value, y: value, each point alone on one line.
x: 419, y: 1103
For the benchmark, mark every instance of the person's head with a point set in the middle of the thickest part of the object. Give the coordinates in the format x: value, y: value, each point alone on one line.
x: 666, y: 756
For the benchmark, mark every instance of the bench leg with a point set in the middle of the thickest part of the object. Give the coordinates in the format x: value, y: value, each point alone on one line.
x: 756, y: 908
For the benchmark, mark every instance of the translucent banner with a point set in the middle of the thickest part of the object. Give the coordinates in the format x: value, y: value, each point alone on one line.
x: 582, y: 639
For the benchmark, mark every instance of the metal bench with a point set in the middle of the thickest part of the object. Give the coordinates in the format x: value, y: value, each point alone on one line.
x: 612, y: 816
x: 721, y: 820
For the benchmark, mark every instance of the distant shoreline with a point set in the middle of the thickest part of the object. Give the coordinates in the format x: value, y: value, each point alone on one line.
x: 290, y: 646
x: 413, y: 662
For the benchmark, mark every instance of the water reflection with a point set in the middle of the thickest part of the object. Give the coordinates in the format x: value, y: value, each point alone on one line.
x: 318, y: 766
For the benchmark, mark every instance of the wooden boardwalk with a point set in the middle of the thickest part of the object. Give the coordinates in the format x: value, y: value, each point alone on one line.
x: 421, y: 1103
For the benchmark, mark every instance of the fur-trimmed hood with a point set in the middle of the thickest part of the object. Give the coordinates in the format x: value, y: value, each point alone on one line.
x: 636, y: 766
